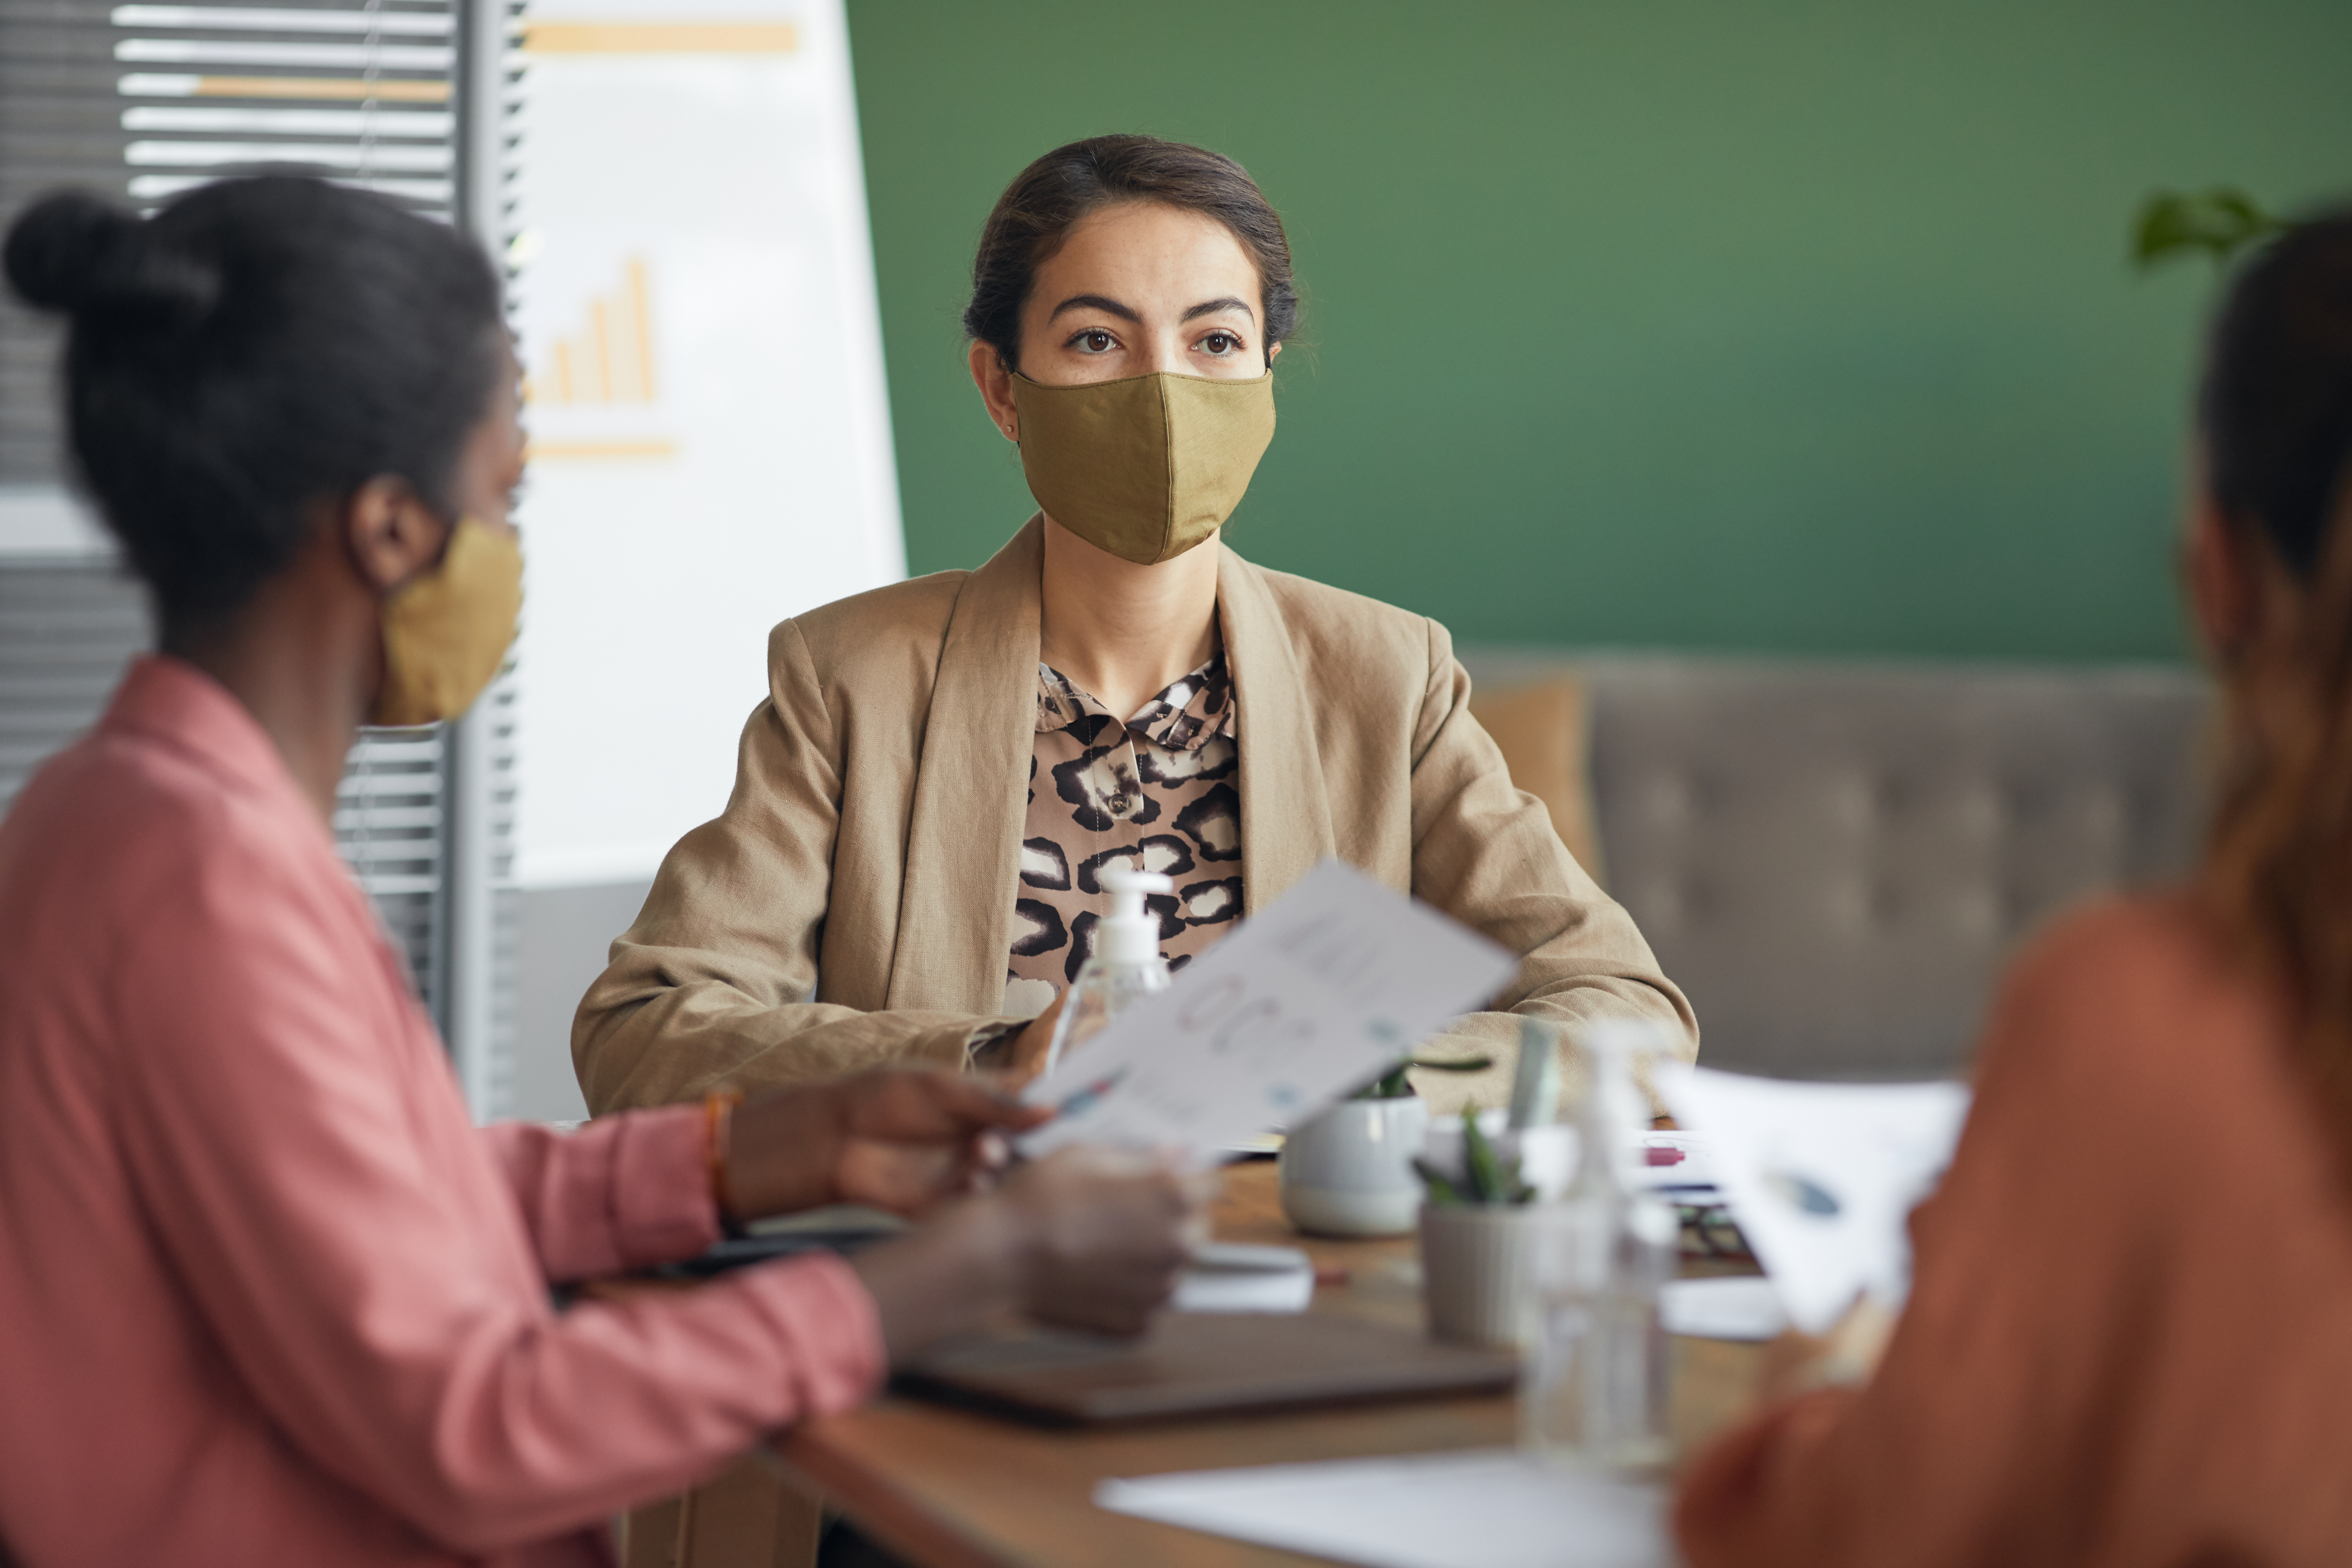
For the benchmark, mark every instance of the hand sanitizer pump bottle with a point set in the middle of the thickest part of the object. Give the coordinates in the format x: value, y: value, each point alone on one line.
x: 1125, y: 964
x: 1595, y: 1386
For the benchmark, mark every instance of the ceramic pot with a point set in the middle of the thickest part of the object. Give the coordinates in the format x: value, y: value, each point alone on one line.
x: 1349, y: 1171
x: 1478, y: 1272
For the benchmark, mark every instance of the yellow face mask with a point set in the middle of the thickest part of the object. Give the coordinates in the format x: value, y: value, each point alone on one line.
x: 447, y: 631
x: 1145, y: 468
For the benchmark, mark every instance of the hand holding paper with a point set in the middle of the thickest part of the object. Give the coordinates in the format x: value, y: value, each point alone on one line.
x: 1822, y: 1177
x: 1336, y: 981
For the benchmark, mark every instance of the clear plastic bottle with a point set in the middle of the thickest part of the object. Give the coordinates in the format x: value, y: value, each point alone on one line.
x: 1595, y: 1386
x: 1125, y: 964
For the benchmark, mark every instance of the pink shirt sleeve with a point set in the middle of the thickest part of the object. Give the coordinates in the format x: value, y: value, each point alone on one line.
x: 621, y: 1193
x: 369, y: 1270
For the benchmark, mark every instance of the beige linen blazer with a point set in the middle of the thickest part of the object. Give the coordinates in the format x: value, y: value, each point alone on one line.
x: 854, y: 904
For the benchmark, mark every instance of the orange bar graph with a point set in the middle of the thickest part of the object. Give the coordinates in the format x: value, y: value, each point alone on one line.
x: 610, y: 359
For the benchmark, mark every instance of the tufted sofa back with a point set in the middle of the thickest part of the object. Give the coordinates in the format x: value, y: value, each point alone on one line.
x: 1836, y: 859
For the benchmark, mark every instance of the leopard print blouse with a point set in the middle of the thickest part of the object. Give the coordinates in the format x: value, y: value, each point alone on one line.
x: 1157, y: 791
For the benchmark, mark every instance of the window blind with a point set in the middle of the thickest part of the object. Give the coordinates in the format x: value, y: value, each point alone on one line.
x: 360, y: 92
x: 144, y: 101
x: 66, y: 631
x: 60, y: 125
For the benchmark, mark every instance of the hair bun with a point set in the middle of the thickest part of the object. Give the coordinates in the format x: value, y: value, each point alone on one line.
x: 82, y: 255
x: 63, y: 245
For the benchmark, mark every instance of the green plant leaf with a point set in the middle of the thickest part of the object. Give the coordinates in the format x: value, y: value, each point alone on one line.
x: 1394, y: 1084
x: 1485, y: 1172
x: 1514, y: 1187
x: 1441, y: 1189
x: 2218, y: 222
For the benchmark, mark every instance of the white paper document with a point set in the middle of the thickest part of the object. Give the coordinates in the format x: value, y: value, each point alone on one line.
x: 1483, y: 1509
x: 1727, y: 1307
x: 1822, y: 1177
x: 1338, y: 980
x: 1234, y: 1276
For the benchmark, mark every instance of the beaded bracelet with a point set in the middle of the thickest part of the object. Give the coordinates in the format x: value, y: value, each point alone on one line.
x: 718, y: 1125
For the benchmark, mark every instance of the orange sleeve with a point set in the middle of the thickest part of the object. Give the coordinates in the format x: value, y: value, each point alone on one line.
x: 1980, y: 1436
x: 1729, y: 1509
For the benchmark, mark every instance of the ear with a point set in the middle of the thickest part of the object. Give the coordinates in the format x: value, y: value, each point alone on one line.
x: 994, y: 379
x: 390, y: 534
x: 2220, y: 581
x: 1273, y: 354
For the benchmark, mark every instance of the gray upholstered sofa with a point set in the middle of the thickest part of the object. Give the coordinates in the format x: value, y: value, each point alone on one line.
x: 1835, y: 860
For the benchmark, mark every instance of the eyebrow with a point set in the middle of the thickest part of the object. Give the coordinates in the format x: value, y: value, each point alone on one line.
x: 1097, y: 302
x: 1128, y: 314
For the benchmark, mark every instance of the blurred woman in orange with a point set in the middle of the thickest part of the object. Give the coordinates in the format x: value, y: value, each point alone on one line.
x: 2126, y: 1344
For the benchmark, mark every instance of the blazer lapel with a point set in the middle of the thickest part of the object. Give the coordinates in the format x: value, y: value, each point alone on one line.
x: 971, y: 792
x: 1286, y: 815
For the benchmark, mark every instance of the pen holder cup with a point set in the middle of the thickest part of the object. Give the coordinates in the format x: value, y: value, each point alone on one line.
x: 1478, y: 1272
x: 1348, y: 1172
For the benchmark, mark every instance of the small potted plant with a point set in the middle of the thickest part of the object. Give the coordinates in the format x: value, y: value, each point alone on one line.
x: 1348, y: 1172
x: 1478, y: 1245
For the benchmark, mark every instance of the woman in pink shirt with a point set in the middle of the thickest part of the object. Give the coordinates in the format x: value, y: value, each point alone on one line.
x: 2128, y: 1343
x: 266, y: 1294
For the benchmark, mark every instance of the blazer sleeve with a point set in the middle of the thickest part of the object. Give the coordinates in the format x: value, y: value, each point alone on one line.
x: 1484, y: 852
x: 715, y: 982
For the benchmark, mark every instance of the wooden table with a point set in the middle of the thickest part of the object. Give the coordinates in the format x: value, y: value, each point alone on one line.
x: 952, y: 1489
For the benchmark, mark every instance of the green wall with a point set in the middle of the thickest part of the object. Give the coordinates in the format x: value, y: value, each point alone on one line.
x: 1799, y: 326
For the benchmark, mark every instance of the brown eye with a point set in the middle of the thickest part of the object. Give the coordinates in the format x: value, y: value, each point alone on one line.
x: 1094, y: 342
x: 1220, y: 343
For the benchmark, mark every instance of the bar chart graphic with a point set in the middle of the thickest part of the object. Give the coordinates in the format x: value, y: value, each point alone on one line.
x: 609, y: 358
x: 710, y: 430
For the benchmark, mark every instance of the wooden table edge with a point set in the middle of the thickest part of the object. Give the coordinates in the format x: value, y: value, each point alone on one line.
x: 897, y: 1521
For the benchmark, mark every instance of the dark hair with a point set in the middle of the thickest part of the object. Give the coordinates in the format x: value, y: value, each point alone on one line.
x: 2277, y: 422
x: 2277, y: 399
x: 1049, y: 198
x: 255, y: 348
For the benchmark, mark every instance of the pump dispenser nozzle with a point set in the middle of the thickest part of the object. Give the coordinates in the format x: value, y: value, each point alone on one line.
x: 1125, y: 964
x: 1130, y: 933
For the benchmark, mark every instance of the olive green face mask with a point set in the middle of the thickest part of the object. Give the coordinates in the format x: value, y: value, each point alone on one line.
x: 1145, y: 468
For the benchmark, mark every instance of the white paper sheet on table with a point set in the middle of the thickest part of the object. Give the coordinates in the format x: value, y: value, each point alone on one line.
x: 1822, y: 1176
x: 1727, y: 1307
x: 1306, y: 1001
x: 1235, y: 1276
x: 1484, y: 1509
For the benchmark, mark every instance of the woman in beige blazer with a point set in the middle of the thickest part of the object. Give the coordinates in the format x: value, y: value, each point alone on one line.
x: 907, y: 864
